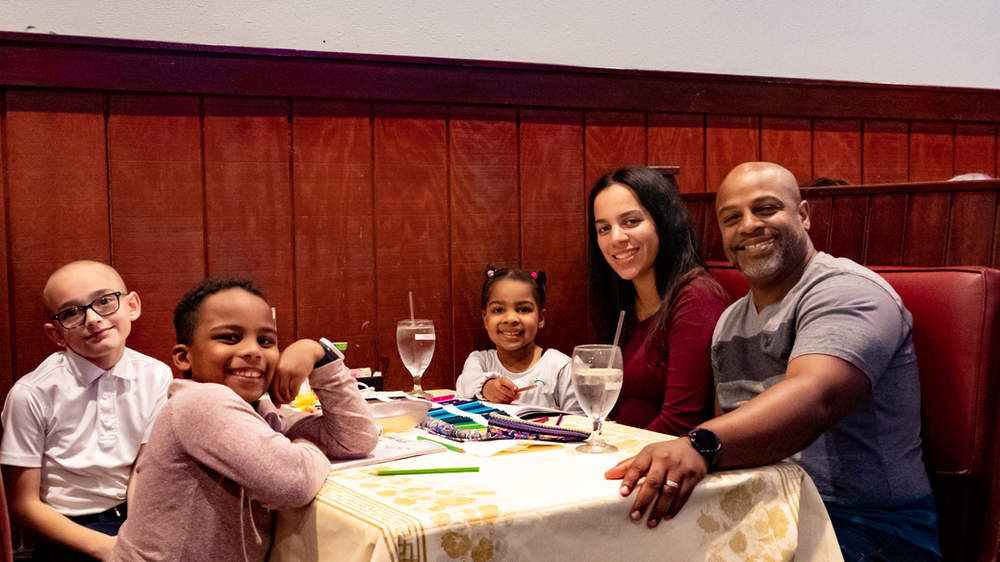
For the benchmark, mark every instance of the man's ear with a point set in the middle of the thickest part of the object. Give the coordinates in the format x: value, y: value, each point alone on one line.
x: 804, y: 213
x: 55, y: 334
x: 541, y: 318
x: 133, y: 305
x: 182, y: 357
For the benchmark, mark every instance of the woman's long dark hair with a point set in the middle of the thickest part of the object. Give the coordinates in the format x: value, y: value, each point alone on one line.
x: 677, y: 261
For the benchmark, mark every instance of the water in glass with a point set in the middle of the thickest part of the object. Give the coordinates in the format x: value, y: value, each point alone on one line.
x: 597, y: 376
x: 415, y: 340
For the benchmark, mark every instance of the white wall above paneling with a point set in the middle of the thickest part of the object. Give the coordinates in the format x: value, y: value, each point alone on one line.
x: 916, y: 42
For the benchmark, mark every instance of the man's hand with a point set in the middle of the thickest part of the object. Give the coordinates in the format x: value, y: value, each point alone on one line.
x: 294, y: 366
x: 672, y: 469
x: 501, y: 390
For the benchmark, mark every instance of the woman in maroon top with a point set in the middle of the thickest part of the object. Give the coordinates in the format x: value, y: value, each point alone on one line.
x: 644, y: 260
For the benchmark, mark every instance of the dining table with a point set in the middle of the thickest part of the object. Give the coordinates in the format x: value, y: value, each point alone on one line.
x: 550, y: 502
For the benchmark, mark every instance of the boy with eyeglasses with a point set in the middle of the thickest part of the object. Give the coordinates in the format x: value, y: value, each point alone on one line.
x: 75, y: 426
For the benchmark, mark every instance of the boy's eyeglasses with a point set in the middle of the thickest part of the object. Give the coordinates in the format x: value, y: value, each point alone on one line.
x: 104, y: 305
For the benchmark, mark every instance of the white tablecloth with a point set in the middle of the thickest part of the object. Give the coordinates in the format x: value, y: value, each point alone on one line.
x: 553, y: 503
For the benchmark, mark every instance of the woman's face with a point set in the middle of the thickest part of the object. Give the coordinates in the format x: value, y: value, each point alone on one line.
x: 626, y: 232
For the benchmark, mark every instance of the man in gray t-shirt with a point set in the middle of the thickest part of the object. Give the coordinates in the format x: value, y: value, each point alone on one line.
x: 871, y: 457
x: 816, y: 364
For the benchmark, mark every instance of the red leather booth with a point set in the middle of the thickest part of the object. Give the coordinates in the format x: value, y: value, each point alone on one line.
x: 955, y: 331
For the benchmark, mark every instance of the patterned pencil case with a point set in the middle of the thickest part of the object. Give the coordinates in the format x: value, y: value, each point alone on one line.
x: 506, y: 427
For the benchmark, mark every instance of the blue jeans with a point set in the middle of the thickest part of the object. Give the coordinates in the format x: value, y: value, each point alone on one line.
x: 859, y: 543
x: 107, y: 522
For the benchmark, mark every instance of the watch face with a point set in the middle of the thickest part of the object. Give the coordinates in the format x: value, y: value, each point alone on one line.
x: 705, y: 441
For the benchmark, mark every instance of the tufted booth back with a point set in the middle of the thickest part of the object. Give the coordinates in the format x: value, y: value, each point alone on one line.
x: 956, y: 332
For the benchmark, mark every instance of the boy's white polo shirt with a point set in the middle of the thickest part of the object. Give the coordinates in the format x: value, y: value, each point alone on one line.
x: 83, y: 426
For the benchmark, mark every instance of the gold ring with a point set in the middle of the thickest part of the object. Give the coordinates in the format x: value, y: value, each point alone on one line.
x: 671, y: 484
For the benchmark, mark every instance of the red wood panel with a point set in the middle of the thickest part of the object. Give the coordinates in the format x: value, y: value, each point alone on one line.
x: 926, y: 223
x: 932, y: 150
x: 154, y: 153
x: 248, y: 199
x: 995, y: 261
x: 613, y: 140
x: 885, y: 149
x: 713, y: 236
x: 334, y: 225
x: 886, y: 226
x: 412, y: 233
x: 820, y: 213
x: 57, y: 189
x: 847, y: 227
x: 730, y: 140
x: 700, y: 214
x: 973, y: 214
x: 485, y: 215
x: 554, y: 219
x: 837, y: 149
x: 7, y: 369
x: 787, y: 141
x: 42, y: 60
x: 678, y: 139
x: 976, y: 148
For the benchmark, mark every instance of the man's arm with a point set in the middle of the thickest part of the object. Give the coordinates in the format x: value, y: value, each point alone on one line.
x: 817, y: 392
x: 23, y: 485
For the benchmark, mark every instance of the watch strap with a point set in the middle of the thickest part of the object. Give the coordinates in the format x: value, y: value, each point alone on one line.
x: 332, y: 354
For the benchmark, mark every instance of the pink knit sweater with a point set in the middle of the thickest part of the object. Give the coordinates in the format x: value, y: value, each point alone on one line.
x: 214, y: 468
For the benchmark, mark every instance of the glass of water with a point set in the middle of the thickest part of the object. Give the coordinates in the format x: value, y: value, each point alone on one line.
x: 415, y: 340
x: 597, y: 376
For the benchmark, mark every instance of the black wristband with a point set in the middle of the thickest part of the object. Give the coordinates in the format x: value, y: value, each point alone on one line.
x: 332, y: 354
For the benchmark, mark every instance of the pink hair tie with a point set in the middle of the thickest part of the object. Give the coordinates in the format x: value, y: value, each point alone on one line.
x: 490, y: 273
x: 534, y: 275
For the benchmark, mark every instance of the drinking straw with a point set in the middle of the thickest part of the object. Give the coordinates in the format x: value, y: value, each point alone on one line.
x: 618, y: 333
x: 412, y: 317
x: 427, y: 471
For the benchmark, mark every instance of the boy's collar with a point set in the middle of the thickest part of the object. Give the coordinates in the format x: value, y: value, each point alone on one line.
x: 86, y: 372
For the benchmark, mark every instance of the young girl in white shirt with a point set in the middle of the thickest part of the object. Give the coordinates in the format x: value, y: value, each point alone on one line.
x: 518, y: 370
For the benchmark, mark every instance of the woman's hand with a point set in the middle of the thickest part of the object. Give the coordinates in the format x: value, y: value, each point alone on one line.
x: 672, y: 469
x: 500, y: 390
x: 294, y: 366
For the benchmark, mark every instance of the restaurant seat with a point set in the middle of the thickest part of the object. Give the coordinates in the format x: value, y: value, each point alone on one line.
x: 956, y: 332
x: 6, y: 541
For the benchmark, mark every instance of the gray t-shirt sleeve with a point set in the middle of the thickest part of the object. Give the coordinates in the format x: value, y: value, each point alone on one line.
x: 850, y: 317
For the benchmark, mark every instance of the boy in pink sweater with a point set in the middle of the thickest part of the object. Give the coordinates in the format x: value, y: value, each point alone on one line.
x: 220, y: 458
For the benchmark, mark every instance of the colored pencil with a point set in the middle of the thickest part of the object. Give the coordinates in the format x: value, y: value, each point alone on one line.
x: 445, y: 445
x: 427, y: 471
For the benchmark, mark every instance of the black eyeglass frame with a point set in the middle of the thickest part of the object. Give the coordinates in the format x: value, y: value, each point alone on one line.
x: 83, y: 310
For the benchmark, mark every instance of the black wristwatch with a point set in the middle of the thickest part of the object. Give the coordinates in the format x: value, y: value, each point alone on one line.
x: 706, y: 443
x: 332, y: 353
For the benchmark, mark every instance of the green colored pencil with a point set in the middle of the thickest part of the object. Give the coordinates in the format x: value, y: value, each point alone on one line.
x: 427, y: 471
x: 445, y: 445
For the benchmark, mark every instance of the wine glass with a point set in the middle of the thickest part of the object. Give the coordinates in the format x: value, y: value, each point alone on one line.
x: 415, y: 340
x: 597, y: 376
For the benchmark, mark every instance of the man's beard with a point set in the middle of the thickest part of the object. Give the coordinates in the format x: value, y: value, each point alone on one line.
x: 788, y: 250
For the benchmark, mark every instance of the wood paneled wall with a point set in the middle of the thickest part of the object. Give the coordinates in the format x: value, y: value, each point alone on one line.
x: 920, y: 224
x: 341, y: 184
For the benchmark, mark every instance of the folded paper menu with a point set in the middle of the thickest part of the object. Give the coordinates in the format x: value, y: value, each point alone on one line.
x: 390, y: 448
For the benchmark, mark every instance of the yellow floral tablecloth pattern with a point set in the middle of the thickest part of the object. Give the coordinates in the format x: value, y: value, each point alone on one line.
x: 552, y: 503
